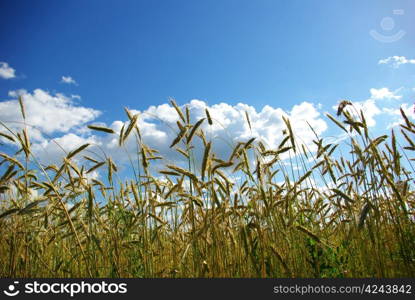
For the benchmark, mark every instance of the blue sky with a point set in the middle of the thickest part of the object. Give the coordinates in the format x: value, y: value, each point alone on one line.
x: 260, y: 53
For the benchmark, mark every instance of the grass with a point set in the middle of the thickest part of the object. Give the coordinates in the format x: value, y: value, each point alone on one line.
x: 322, y: 214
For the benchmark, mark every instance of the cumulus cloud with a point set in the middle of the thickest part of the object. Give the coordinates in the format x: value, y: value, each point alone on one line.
x: 384, y: 93
x: 45, y: 113
x: 57, y: 125
x: 370, y: 106
x: 396, y: 61
x: 50, y: 151
x: 396, y: 116
x: 6, y: 72
x: 158, y: 127
x: 68, y: 80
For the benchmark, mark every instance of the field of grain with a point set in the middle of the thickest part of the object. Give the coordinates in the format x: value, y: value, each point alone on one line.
x: 283, y: 212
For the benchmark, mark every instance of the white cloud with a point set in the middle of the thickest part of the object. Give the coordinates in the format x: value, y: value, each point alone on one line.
x: 384, y: 93
x: 52, y: 150
x: 61, y: 118
x: 68, y: 80
x: 158, y: 127
x: 396, y: 61
x: 370, y: 107
x: 6, y: 72
x: 370, y: 110
x: 45, y: 113
x: 395, y: 114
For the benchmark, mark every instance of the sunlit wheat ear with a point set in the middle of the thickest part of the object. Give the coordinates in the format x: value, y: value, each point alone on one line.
x: 179, y: 137
x: 282, y: 261
x: 290, y: 132
x: 96, y: 166
x: 101, y: 128
x: 72, y: 166
x: 248, y: 120
x: 308, y: 232
x: 187, y: 114
x: 183, y: 171
x: 9, y: 212
x: 408, y: 124
x: 111, y: 167
x: 134, y: 189
x: 22, y: 107
x: 205, y: 160
x: 90, y: 159
x: 120, y: 139
x: 208, y: 116
x: 335, y: 121
x: 201, y: 135
x: 157, y: 218
x: 173, y: 189
x: 9, y: 137
x: 342, y: 106
x: 166, y: 172
x: 10, y: 172
x: 235, y: 151
x: 178, y: 110
x: 249, y: 142
x: 304, y: 177
x: 76, y: 151
x: 24, y: 142
x: 343, y: 195
x: 221, y: 165
x: 193, y: 130
x: 12, y: 160
x: 133, y: 122
x: 363, y: 215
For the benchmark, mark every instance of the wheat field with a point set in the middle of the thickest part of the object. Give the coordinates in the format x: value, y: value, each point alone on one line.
x: 282, y: 212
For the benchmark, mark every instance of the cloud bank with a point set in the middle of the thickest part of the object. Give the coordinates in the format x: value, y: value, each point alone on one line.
x: 58, y: 124
x: 57, y: 116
